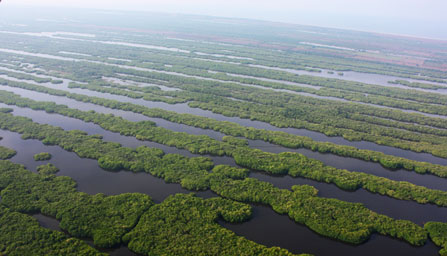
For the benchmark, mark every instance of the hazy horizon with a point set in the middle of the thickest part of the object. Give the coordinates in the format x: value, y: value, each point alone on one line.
x: 403, y: 17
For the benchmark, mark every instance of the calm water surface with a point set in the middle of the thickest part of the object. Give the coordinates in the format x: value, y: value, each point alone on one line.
x: 184, y: 108
x: 266, y: 227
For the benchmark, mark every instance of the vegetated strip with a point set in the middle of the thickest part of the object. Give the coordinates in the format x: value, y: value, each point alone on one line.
x: 192, y: 93
x: 281, y: 138
x: 293, y: 164
x: 21, y: 234
x: 349, y: 222
x: 424, y: 143
x: 288, y: 117
x: 111, y: 66
x: 219, y: 107
x: 438, y: 234
x: 6, y: 153
x: 286, y: 60
x: 111, y: 220
x: 424, y: 147
x: 418, y: 84
x: 354, y: 91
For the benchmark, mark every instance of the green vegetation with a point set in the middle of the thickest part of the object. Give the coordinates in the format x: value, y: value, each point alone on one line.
x: 400, y: 139
x: 248, y: 82
x: 84, y: 74
x: 292, y: 58
x: 149, y: 94
x: 57, y: 81
x: 42, y: 156
x: 438, y: 234
x: 21, y: 235
x: 280, y: 138
x: 188, y: 225
x: 349, y: 222
x: 294, y: 164
x: 6, y: 153
x: 235, y: 141
x: 104, y: 218
x: 418, y: 85
x: 353, y: 91
x: 326, y: 116
x: 47, y: 169
x: 24, y: 76
x: 322, y: 116
x: 193, y: 173
x: 180, y: 219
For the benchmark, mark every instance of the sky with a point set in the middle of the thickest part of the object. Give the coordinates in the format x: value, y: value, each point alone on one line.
x: 424, y: 18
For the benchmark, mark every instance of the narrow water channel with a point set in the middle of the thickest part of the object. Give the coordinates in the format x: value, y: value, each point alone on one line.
x: 272, y: 229
x: 184, y: 108
x: 351, y: 164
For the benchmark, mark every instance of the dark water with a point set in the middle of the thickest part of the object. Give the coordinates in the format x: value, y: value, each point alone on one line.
x: 52, y: 223
x: 266, y: 227
x: 419, y: 213
x: 351, y: 164
x: 357, y: 165
x: 70, y: 124
x: 100, y: 109
x: 184, y: 108
x: 48, y: 222
x: 333, y: 160
x: 398, y: 209
x: 92, y: 179
x: 272, y: 229
x: 89, y: 176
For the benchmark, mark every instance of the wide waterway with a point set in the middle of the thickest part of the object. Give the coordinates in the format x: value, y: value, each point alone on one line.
x: 265, y: 227
x: 184, y: 108
x: 382, y: 204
